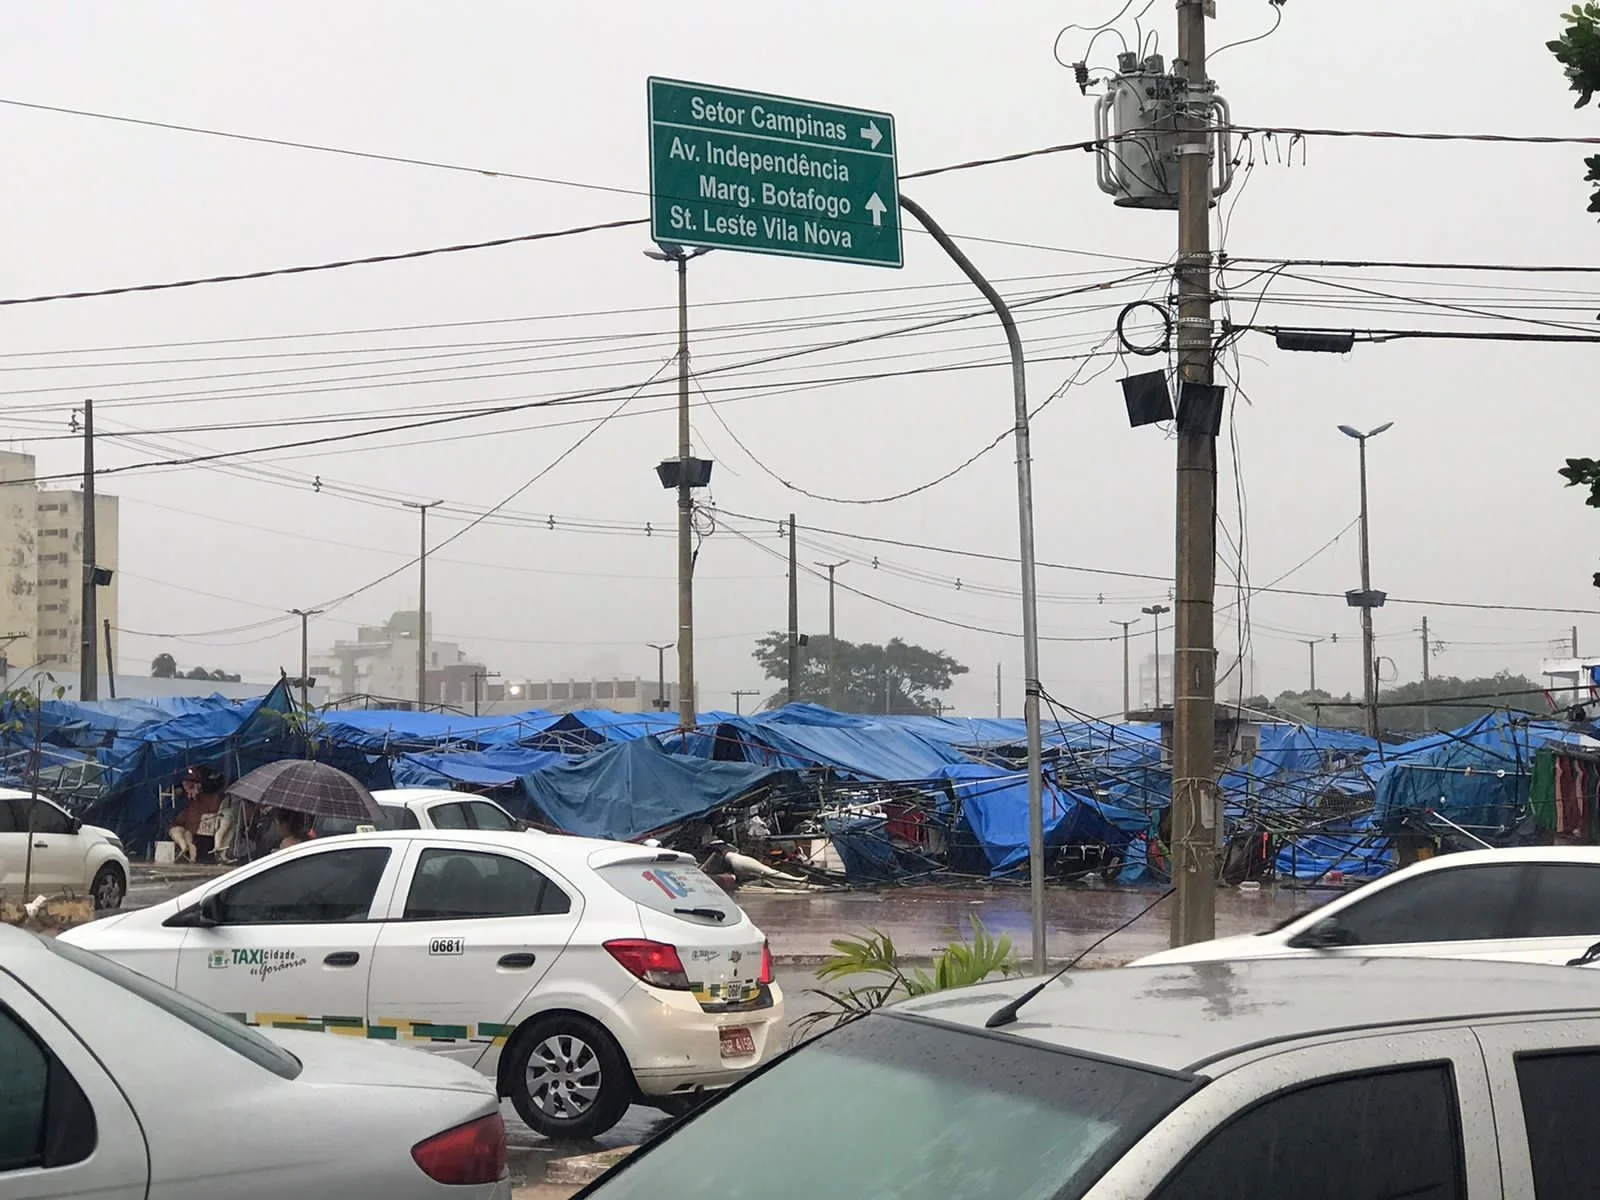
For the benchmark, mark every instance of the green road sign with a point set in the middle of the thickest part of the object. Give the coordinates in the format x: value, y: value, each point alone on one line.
x: 743, y: 171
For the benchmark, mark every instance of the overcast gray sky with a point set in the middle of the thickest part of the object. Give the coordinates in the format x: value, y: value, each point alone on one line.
x: 1467, y: 505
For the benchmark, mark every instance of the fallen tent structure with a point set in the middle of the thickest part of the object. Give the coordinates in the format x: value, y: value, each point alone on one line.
x: 865, y: 798
x: 636, y: 788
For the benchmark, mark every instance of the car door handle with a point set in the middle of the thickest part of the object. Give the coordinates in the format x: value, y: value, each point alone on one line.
x: 342, y: 958
x: 41, y: 845
x: 516, y: 961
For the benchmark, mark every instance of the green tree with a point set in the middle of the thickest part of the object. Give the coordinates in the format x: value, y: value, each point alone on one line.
x: 1451, y: 703
x: 898, y: 678
x: 164, y: 666
x: 1585, y: 472
x: 1578, y: 52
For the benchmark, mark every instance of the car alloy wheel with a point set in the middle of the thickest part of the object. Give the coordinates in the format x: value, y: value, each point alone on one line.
x: 107, y: 889
x: 564, y: 1076
x: 567, y: 1077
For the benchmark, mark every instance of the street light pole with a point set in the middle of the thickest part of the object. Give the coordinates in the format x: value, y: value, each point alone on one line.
x: 661, y: 649
x: 685, y: 643
x: 833, y: 639
x: 1126, y: 625
x: 1369, y: 678
x: 422, y: 508
x: 1030, y: 599
x: 305, y: 615
x: 1155, y: 611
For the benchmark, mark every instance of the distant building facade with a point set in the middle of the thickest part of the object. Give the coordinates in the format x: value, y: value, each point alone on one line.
x: 569, y: 695
x: 382, y: 662
x: 41, y: 552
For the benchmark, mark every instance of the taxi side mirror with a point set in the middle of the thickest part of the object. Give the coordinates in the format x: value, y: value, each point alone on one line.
x: 1326, y: 934
x: 205, y: 915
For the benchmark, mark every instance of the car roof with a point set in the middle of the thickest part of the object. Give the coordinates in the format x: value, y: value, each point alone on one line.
x: 556, y: 847
x: 406, y: 797
x: 1514, y: 854
x: 15, y: 941
x: 1187, y: 1016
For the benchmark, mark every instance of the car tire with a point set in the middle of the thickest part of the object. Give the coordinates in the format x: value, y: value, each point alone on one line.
x: 567, y: 1077
x: 108, y: 888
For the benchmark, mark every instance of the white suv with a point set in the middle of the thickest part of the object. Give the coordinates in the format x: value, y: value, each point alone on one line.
x: 581, y: 975
x: 68, y: 856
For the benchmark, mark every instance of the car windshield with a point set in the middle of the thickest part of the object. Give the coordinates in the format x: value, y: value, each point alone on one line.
x: 898, y: 1107
x: 238, y: 1037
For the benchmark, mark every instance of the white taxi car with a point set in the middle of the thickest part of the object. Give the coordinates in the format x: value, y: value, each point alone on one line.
x: 67, y: 855
x: 580, y: 975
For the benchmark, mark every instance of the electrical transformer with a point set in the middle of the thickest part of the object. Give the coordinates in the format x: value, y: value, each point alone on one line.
x: 1136, y: 122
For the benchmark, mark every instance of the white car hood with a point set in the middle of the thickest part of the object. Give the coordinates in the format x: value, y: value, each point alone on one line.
x: 1248, y: 946
x: 345, y: 1060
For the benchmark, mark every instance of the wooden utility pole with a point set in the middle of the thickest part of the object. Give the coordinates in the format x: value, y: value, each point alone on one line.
x: 1427, y: 720
x: 305, y: 615
x: 1126, y: 697
x: 422, y: 601
x: 794, y: 617
x: 1311, y: 652
x: 833, y: 637
x: 111, y: 662
x: 1194, y: 776
x: 88, y: 625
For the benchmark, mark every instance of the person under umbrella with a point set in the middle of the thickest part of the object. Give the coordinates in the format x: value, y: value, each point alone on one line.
x: 288, y: 796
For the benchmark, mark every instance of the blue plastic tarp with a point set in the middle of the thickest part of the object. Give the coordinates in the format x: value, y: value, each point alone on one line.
x: 994, y: 815
x: 498, y: 766
x: 635, y: 788
x: 1477, y: 776
x: 384, y: 730
x: 804, y: 737
x: 1353, y: 849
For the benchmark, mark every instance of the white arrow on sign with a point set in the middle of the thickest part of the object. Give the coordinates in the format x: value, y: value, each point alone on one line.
x: 873, y: 134
x: 877, y: 208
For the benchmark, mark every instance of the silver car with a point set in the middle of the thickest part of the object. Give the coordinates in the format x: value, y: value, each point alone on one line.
x: 115, y: 1087
x: 1362, y: 1079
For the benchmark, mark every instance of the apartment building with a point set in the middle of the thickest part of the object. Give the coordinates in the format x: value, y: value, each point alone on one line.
x: 41, y: 553
x: 382, y: 662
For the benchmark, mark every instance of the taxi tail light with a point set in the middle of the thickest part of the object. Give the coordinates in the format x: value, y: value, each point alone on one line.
x: 470, y: 1153
x: 655, y: 963
x: 766, y: 963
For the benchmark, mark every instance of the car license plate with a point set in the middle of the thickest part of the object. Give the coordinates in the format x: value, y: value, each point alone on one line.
x: 737, y: 1043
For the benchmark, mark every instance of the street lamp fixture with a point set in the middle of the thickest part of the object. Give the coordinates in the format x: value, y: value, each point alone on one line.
x: 661, y: 649
x: 1366, y: 599
x: 1156, y: 611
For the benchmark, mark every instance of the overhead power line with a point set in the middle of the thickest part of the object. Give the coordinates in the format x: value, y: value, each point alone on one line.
x: 308, y: 268
x: 1513, y: 139
x: 979, y: 555
x: 1406, y: 265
